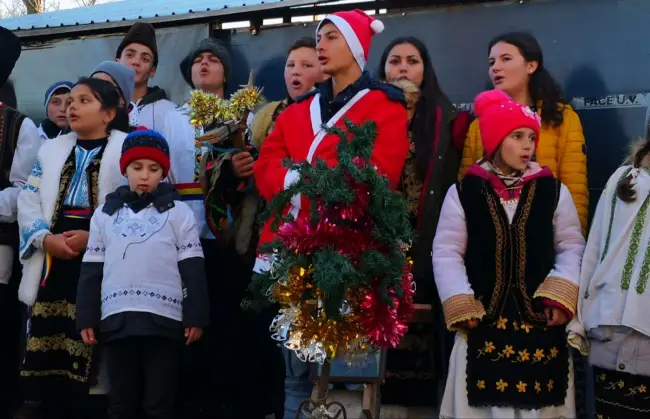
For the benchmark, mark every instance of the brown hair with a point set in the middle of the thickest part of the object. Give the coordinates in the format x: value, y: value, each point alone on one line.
x: 306, y: 42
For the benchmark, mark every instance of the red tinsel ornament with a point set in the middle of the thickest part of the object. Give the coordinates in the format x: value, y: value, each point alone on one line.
x: 406, y: 308
x: 301, y: 236
x: 386, y: 324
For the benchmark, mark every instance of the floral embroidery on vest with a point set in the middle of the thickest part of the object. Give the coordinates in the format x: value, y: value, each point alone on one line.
x: 410, y: 184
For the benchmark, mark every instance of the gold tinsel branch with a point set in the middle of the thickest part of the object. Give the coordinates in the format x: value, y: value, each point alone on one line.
x: 206, y: 108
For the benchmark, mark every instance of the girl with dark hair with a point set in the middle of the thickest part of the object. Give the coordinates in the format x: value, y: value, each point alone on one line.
x: 436, y: 132
x: 516, y: 67
x: 71, y: 177
x: 611, y: 326
x: 506, y: 260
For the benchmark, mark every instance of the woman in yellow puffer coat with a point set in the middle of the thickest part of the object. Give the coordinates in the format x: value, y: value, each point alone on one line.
x: 516, y: 66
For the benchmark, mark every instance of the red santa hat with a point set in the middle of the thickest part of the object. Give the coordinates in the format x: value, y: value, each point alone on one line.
x: 357, y: 28
x: 499, y: 116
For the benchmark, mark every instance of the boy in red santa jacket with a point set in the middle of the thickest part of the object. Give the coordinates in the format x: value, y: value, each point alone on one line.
x: 343, y: 44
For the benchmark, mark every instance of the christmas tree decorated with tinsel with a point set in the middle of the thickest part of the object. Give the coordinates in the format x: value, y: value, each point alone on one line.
x: 340, y: 274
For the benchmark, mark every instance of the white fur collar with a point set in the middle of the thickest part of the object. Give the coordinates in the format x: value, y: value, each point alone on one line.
x: 53, y: 155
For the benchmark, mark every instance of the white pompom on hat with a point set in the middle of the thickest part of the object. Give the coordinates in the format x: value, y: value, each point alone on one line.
x: 357, y: 29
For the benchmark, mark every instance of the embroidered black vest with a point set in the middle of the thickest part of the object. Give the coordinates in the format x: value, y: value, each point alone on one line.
x: 506, y: 263
x: 10, y: 122
x: 513, y: 359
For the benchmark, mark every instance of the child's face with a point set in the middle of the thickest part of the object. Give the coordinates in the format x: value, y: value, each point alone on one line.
x: 56, y: 108
x: 518, y: 148
x: 302, y: 71
x: 144, y: 175
x: 85, y: 114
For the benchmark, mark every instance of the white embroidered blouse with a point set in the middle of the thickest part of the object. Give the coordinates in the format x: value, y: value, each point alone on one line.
x: 140, y: 252
x: 616, y: 263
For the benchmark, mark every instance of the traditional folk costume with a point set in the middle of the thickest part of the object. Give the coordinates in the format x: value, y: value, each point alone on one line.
x: 506, y: 248
x: 142, y: 282
x: 69, y: 180
x: 611, y: 324
x: 19, y: 143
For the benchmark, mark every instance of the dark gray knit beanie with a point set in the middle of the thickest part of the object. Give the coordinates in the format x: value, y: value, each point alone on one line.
x: 207, y: 45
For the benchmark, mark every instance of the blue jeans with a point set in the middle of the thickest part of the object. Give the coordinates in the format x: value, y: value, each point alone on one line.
x: 297, y: 386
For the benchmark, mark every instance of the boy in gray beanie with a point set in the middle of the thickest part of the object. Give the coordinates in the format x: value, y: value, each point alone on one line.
x: 121, y: 76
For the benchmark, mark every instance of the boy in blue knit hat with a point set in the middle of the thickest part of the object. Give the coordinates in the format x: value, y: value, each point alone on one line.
x: 56, y: 103
x: 142, y: 291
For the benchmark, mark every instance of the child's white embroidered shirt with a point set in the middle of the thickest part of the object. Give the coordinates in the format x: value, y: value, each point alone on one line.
x: 140, y: 252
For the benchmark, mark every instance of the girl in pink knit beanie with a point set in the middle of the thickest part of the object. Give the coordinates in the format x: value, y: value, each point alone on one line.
x: 509, y: 131
x: 506, y: 261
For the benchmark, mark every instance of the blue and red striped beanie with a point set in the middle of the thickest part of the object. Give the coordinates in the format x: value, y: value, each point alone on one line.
x: 145, y: 144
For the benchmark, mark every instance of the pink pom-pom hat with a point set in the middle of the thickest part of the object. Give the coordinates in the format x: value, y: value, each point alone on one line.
x: 498, y: 116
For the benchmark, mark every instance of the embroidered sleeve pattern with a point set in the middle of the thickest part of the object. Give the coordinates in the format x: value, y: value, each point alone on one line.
x: 559, y: 290
x: 34, y: 180
x: 460, y: 308
x: 188, y: 243
x: 31, y: 222
x: 96, y: 249
x: 32, y: 236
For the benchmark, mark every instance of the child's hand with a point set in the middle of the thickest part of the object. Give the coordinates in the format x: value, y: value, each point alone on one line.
x: 242, y: 164
x: 555, y: 316
x: 88, y: 336
x: 467, y: 324
x: 76, y: 239
x: 56, y: 245
x: 193, y: 334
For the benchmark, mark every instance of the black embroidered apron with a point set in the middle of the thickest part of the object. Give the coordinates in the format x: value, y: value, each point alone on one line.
x: 621, y: 395
x: 512, y: 358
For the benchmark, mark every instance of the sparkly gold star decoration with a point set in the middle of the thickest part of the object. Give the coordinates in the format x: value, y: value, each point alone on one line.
x: 206, y: 108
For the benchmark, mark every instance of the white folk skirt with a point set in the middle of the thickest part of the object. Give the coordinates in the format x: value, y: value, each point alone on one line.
x: 455, y: 404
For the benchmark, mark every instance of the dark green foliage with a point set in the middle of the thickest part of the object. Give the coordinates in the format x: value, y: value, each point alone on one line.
x: 334, y: 271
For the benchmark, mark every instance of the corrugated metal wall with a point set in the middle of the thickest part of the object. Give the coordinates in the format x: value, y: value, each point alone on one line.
x: 39, y: 67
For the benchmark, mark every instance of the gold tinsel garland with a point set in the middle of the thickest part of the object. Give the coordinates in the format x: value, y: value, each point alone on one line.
x: 206, y: 108
x: 309, y: 321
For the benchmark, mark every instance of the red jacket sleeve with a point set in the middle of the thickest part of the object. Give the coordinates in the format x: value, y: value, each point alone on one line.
x: 270, y: 174
x: 391, y: 144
